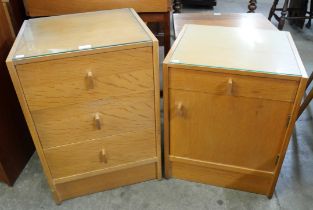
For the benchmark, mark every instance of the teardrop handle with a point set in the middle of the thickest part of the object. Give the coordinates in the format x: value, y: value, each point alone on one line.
x: 179, y: 108
x: 90, y: 80
x: 230, y: 87
x: 103, y: 156
x: 98, y: 121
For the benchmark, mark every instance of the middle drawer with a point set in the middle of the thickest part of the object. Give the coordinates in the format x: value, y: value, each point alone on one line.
x: 94, y: 120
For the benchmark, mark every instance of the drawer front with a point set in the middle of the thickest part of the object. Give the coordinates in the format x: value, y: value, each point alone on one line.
x: 91, y: 77
x: 101, y: 154
x: 94, y: 120
x: 233, y: 131
x: 233, y: 85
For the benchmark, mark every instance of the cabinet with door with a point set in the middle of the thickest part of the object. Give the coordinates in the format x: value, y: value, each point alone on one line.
x: 229, y: 107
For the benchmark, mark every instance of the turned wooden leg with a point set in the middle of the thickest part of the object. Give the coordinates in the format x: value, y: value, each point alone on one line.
x: 283, y: 15
x: 252, y: 6
x: 272, y: 11
x: 177, y: 6
x: 308, y: 25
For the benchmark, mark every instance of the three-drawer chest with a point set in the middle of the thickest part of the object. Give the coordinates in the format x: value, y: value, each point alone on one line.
x: 88, y: 85
x: 231, y: 98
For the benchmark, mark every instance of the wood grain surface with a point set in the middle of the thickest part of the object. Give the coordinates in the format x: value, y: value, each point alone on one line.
x: 106, y: 181
x: 76, y: 123
x: 242, y: 86
x: 222, y: 129
x: 222, y: 178
x: 63, y: 82
x: 85, y: 157
x: 93, y: 114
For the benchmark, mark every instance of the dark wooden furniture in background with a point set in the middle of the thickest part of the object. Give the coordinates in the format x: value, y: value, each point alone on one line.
x: 149, y: 11
x: 294, y: 10
x: 16, y: 146
x: 177, y: 5
x: 254, y: 20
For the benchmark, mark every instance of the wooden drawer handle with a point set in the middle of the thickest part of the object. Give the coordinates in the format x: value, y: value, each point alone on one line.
x: 90, y: 80
x: 103, y: 156
x: 230, y: 87
x: 98, y: 121
x: 179, y: 108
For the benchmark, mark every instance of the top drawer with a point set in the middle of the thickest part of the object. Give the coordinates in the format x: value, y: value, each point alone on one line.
x: 234, y: 85
x: 78, y: 79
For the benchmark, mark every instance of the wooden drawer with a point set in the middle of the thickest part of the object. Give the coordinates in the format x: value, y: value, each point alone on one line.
x: 231, y: 84
x: 78, y: 79
x: 76, y: 123
x: 101, y: 154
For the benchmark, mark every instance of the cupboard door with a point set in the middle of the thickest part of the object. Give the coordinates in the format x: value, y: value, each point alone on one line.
x: 219, y: 129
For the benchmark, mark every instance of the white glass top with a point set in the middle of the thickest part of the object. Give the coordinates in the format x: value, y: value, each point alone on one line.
x: 246, y: 49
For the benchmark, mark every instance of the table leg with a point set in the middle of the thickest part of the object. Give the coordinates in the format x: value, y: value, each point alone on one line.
x: 177, y: 6
x: 252, y: 6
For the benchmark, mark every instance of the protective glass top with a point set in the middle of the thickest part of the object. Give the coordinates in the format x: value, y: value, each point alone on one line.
x: 246, y: 49
x: 84, y: 31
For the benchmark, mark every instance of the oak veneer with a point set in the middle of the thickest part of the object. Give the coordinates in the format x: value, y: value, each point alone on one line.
x: 230, y: 105
x: 55, y: 124
x: 90, y: 95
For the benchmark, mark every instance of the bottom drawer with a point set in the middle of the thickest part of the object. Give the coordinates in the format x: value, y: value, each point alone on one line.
x: 101, y: 154
x: 106, y: 181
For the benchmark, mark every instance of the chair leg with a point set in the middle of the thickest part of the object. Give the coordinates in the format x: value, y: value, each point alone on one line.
x: 309, y: 80
x: 283, y: 15
x: 306, y: 102
x: 273, y: 8
x: 308, y: 25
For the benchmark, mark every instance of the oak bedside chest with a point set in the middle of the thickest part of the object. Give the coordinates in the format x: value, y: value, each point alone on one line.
x: 231, y: 97
x: 88, y: 85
